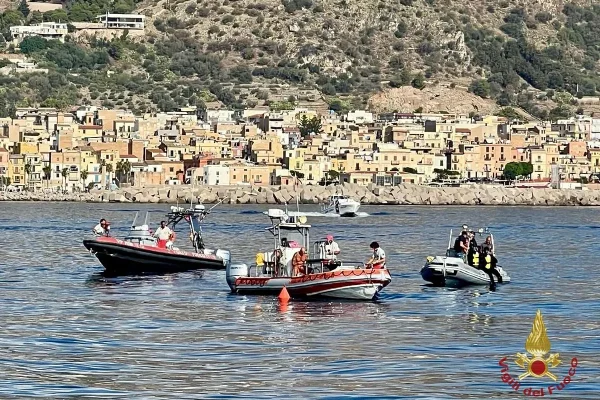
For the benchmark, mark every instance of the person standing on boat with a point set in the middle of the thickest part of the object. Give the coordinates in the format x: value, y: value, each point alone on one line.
x: 298, y: 262
x: 163, y: 234
x: 102, y: 229
x: 461, y: 245
x: 473, y: 249
x: 487, y: 264
x: 488, y: 245
x: 331, y: 249
x: 377, y: 260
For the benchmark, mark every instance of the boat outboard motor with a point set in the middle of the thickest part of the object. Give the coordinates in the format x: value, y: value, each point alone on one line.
x: 234, y: 271
x: 225, y: 255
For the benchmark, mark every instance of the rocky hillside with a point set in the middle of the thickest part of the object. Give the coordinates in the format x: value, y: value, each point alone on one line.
x: 518, y: 53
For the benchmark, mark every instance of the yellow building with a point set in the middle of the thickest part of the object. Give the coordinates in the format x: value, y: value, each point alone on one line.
x: 17, y: 170
x: 245, y: 174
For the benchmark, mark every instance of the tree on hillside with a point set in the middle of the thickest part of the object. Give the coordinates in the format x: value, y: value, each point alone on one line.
x: 445, y: 173
x: 332, y: 174
x: 83, y: 175
x: 64, y: 173
x: 124, y: 169
x: 298, y: 175
x: 47, y: 171
x: 32, y: 44
x: 310, y: 125
x: 480, y: 88
x: 418, y: 81
x: 27, y: 172
x: 24, y: 8
x: 109, y: 171
x: 527, y: 168
x: 512, y: 170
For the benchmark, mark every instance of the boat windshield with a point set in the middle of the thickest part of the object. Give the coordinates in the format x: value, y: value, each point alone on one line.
x: 291, y: 237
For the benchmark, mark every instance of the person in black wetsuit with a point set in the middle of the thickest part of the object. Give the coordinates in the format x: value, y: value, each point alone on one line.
x: 473, y: 248
x: 487, y: 263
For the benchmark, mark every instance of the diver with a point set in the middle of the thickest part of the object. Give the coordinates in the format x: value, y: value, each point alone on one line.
x: 473, y: 249
x: 488, y: 263
x: 473, y: 257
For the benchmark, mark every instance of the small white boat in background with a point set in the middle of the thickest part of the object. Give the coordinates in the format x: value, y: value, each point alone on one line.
x: 342, y: 205
x: 450, y: 270
x: 324, y: 278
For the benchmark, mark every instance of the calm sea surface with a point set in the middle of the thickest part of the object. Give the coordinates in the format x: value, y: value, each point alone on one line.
x: 65, y: 332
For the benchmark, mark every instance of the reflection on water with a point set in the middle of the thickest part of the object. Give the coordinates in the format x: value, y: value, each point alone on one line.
x: 67, y: 330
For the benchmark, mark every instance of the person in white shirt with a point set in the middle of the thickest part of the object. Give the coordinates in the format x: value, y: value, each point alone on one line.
x: 331, y: 249
x: 164, y: 234
x: 102, y: 229
x: 377, y: 260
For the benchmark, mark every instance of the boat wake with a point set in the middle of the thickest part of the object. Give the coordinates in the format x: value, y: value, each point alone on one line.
x: 322, y: 215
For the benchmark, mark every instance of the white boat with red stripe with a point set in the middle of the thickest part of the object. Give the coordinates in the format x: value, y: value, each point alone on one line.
x: 322, y: 277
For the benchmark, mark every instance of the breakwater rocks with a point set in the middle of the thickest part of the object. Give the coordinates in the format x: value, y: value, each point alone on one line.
x: 405, y: 194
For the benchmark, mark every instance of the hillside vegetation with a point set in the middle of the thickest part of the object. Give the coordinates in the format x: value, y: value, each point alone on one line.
x: 537, y: 56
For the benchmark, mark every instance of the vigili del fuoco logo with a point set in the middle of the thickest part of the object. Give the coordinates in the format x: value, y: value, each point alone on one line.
x: 537, y: 363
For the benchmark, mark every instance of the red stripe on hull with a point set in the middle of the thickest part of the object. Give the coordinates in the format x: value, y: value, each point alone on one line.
x: 325, y: 286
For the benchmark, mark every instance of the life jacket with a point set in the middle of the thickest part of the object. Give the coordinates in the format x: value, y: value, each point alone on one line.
x: 488, y: 262
x: 476, y: 258
x: 260, y: 259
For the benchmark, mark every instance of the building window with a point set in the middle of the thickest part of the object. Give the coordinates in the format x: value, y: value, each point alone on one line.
x: 171, y: 169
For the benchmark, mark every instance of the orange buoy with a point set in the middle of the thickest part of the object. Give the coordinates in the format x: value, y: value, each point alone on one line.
x: 284, y: 296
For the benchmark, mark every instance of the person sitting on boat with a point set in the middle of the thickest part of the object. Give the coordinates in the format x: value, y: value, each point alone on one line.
x: 298, y: 262
x: 331, y: 249
x: 461, y: 245
x: 102, y: 229
x: 488, y: 245
x: 473, y: 248
x: 377, y: 260
x: 487, y: 263
x: 163, y: 234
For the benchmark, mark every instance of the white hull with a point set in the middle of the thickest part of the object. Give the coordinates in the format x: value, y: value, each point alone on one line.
x: 345, y: 208
x: 453, y: 271
x: 360, y: 292
x: 348, y: 284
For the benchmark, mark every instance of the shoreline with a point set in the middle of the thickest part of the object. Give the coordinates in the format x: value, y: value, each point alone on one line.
x: 404, y: 194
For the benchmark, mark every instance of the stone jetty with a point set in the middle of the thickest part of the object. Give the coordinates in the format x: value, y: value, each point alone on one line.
x: 405, y: 194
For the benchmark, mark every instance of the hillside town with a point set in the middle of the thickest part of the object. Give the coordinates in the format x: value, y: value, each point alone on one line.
x: 85, y: 148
